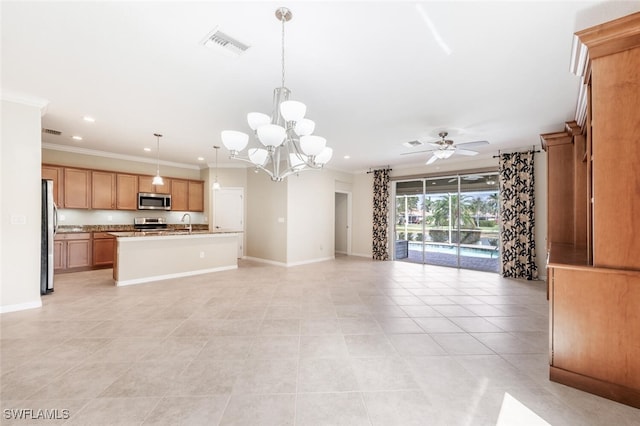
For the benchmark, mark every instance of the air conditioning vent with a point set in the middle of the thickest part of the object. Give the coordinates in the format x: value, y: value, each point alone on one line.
x: 225, y: 43
x: 412, y: 144
x: 51, y: 132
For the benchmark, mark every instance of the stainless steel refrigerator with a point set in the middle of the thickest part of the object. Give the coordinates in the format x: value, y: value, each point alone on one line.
x: 49, y: 228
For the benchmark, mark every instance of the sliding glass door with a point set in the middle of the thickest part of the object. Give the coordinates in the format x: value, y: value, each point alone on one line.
x: 449, y: 221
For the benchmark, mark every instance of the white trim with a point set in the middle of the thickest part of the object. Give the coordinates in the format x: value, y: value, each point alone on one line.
x: 24, y: 99
x: 288, y: 265
x: 342, y: 252
x: 369, y: 255
x: 96, y: 153
x: 176, y: 275
x: 349, y: 195
x: 267, y: 261
x: 21, y: 306
x: 305, y: 262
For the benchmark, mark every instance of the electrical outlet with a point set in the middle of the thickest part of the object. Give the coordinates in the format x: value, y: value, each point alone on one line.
x: 109, y: 218
x: 62, y: 218
x: 201, y: 255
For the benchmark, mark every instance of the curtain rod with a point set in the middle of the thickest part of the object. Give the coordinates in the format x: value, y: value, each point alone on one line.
x: 533, y: 149
x: 371, y: 171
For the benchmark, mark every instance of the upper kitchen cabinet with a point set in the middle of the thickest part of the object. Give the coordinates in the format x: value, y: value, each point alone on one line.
x: 145, y: 185
x: 126, y: 191
x: 196, y: 196
x: 77, y: 188
x: 103, y: 190
x: 187, y: 195
x: 56, y: 174
x: 180, y: 195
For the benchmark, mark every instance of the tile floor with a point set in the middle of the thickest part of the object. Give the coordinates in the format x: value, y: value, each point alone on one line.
x: 343, y: 342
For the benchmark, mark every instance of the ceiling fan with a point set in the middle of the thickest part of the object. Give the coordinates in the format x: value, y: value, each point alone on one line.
x: 445, y: 148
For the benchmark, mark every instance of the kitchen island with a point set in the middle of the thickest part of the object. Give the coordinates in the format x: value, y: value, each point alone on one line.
x: 140, y: 257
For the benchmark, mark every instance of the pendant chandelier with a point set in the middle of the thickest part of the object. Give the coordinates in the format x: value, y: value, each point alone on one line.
x: 286, y: 144
x: 216, y: 184
x: 157, y: 179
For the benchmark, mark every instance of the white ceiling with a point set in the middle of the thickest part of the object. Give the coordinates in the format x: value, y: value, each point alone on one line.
x: 372, y: 74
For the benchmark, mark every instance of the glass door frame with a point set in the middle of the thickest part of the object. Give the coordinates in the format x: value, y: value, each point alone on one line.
x: 454, y: 224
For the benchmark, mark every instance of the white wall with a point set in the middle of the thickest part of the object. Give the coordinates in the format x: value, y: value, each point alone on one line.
x: 310, y: 229
x: 266, y: 224
x: 362, y: 211
x: 20, y: 196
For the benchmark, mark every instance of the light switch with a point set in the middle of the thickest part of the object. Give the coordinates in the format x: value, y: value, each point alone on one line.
x: 281, y: 220
x: 18, y: 219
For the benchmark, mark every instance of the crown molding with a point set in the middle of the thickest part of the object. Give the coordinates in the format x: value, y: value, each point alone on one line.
x: 24, y: 99
x: 105, y: 154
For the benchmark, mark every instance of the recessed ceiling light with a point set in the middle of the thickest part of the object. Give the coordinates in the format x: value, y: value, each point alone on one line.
x: 77, y: 138
x: 89, y: 119
x: 148, y: 149
x: 346, y: 157
x: 200, y: 158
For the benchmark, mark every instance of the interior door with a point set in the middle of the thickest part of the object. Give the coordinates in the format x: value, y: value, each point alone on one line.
x: 229, y: 212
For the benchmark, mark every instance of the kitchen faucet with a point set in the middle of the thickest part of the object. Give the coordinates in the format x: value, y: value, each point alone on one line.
x: 188, y: 226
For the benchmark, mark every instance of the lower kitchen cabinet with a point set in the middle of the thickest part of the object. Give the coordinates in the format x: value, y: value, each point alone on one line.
x: 72, y: 251
x: 103, y: 245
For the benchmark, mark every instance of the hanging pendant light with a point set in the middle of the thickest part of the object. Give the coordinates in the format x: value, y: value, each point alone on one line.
x: 216, y: 184
x: 157, y: 179
x: 285, y: 144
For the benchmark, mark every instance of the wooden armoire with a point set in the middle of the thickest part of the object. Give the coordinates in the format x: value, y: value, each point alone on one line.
x: 593, y: 238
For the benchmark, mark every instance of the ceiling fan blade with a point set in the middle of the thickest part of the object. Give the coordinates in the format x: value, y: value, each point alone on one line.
x: 466, y: 152
x: 417, y: 152
x: 435, y: 145
x: 472, y: 144
x: 431, y: 160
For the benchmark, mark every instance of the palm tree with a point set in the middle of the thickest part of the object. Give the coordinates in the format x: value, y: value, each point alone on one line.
x: 477, y: 204
x: 441, y: 210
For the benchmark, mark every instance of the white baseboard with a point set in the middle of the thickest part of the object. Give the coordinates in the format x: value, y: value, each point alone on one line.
x: 288, y: 265
x: 369, y: 255
x: 176, y: 275
x: 21, y: 306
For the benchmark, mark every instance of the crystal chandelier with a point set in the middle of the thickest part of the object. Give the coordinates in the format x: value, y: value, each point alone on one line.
x: 287, y: 145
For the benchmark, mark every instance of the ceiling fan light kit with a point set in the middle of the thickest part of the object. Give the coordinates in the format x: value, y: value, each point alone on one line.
x: 444, y: 148
x: 287, y: 145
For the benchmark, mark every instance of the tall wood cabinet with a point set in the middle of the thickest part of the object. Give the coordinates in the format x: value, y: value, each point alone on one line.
x: 594, y: 220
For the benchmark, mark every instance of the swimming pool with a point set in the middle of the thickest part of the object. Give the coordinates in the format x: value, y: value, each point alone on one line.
x: 484, y: 251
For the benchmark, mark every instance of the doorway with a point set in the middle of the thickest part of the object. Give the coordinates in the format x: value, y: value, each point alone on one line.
x: 342, y: 241
x: 448, y: 221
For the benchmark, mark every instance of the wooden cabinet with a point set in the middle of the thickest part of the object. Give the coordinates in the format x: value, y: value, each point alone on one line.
x: 103, y: 190
x: 72, y: 251
x: 77, y: 188
x: 126, y: 191
x: 179, y: 195
x: 594, y: 231
x: 196, y: 196
x: 56, y: 174
x: 145, y: 185
x: 103, y: 245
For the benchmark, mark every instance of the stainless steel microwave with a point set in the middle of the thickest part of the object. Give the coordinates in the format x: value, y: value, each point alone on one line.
x: 149, y: 201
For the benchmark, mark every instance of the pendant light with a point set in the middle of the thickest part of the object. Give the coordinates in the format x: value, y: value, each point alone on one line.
x: 216, y: 184
x: 157, y: 179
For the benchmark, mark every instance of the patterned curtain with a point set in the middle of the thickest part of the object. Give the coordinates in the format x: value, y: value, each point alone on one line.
x: 380, y: 214
x: 516, y: 210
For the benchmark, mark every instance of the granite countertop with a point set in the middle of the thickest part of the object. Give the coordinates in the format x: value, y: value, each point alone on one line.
x: 169, y: 233
x: 66, y: 229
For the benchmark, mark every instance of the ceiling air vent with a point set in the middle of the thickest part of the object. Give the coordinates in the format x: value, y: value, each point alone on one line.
x: 412, y: 144
x: 51, y: 132
x: 224, y: 43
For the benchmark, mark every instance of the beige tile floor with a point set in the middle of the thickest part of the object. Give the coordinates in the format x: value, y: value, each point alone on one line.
x: 343, y: 342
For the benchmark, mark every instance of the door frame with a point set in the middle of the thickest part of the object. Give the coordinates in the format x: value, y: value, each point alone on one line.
x: 349, y: 221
